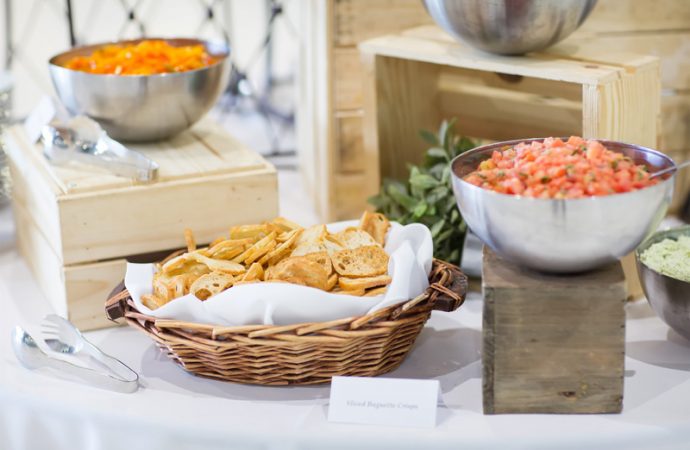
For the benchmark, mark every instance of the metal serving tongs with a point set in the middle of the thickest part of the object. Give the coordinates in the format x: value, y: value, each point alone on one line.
x: 67, y: 339
x: 84, y: 140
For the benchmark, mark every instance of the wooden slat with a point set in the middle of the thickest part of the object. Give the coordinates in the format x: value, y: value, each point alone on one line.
x: 41, y: 259
x: 674, y: 133
x: 347, y: 79
x: 351, y: 195
x: 357, y: 20
x: 206, y: 149
x: 349, y: 143
x: 502, y: 114
x: 638, y: 15
x: 403, y: 112
x: 672, y: 48
x: 145, y: 219
x: 460, y: 55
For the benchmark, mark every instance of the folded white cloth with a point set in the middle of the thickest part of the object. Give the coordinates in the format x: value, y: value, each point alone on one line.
x: 411, y: 254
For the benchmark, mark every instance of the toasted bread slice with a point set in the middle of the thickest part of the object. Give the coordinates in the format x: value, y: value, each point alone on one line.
x: 349, y: 284
x: 376, y: 224
x: 300, y: 270
x: 354, y: 238
x: 366, y: 261
x: 211, y: 284
x: 312, y: 234
x: 322, y: 258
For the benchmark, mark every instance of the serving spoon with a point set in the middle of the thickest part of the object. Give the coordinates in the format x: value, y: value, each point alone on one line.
x: 670, y: 169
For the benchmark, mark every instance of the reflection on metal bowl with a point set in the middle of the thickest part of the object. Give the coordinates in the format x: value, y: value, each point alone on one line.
x: 142, y: 107
x: 668, y: 297
x: 510, y: 27
x: 562, y: 235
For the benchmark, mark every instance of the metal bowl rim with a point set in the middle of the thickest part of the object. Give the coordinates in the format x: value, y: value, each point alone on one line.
x: 547, y: 200
x: 222, y: 58
x: 653, y: 239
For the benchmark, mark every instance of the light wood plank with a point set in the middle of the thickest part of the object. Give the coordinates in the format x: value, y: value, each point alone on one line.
x: 206, y: 149
x: 143, y: 219
x: 672, y: 48
x: 41, y: 258
x: 357, y: 20
x: 638, y: 15
x: 347, y: 79
x: 456, y: 54
x: 350, y: 143
x: 674, y: 133
x: 351, y: 195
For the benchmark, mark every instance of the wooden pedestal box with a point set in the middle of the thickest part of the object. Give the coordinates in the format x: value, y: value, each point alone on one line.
x: 552, y: 344
x: 77, y: 225
x: 416, y: 79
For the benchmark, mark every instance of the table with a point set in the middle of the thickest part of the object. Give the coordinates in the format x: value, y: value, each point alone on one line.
x: 176, y: 410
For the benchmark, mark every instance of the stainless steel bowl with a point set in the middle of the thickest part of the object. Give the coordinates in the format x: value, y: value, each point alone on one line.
x: 142, y: 107
x: 510, y: 27
x: 566, y: 235
x: 668, y: 297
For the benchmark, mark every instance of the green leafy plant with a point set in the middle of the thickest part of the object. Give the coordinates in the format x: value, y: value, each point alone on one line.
x: 427, y: 196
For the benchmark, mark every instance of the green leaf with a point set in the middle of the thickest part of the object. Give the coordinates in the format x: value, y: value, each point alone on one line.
x: 437, y: 152
x: 437, y: 227
x: 420, y: 209
x: 429, y: 137
x: 423, y: 181
x: 402, y: 198
x: 426, y: 196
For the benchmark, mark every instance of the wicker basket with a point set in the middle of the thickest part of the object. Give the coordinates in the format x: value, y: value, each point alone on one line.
x: 306, y: 353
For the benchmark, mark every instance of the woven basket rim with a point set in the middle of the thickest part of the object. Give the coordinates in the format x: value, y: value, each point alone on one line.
x: 298, y: 354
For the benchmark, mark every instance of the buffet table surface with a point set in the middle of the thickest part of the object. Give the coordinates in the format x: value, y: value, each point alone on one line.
x: 173, y: 409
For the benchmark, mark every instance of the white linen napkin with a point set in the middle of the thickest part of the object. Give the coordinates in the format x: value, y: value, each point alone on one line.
x: 411, y: 253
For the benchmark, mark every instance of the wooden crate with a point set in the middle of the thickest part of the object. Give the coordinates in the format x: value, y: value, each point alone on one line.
x: 415, y: 79
x: 77, y: 224
x: 331, y: 81
x: 552, y: 344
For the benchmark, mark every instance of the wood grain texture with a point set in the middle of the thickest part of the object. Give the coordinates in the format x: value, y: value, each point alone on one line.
x: 552, y: 344
x: 357, y: 20
x: 41, y: 258
x: 672, y: 48
x: 347, y: 79
x: 109, y: 221
x: 350, y: 143
x: 403, y: 111
x: 638, y: 15
x: 415, y: 79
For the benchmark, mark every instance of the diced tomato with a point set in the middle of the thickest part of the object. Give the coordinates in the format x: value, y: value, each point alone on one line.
x: 556, y: 169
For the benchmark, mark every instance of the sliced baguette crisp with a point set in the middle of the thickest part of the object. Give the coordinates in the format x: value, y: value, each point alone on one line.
x: 366, y: 261
x: 211, y: 284
x: 350, y: 284
x: 354, y: 238
x: 376, y: 224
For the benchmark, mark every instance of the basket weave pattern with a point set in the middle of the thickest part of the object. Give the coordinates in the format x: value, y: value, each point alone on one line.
x: 307, y: 353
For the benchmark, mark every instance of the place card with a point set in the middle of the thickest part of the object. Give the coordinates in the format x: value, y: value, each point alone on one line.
x: 384, y: 401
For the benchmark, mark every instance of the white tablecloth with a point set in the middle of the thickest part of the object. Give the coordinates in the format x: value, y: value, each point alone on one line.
x: 176, y: 410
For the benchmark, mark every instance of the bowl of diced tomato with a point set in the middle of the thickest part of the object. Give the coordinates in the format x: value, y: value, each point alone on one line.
x: 562, y: 205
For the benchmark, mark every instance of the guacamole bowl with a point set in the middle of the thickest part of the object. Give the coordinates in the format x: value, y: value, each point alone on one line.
x: 669, y: 297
